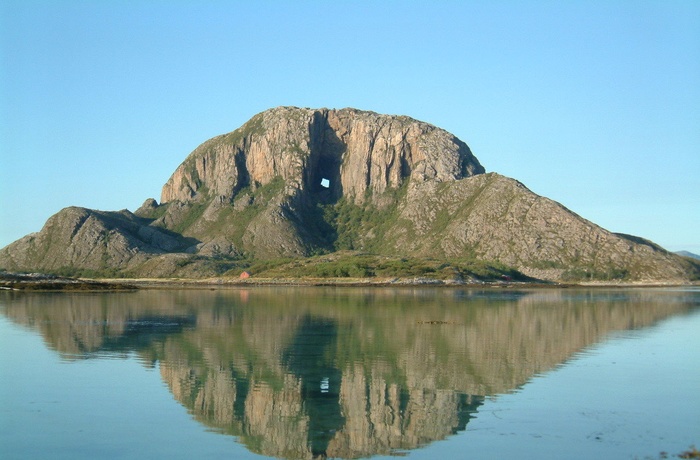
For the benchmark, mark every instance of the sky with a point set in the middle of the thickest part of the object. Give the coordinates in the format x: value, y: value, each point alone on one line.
x: 594, y: 104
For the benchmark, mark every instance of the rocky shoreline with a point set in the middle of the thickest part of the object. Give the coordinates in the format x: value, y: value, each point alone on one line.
x: 375, y: 282
x: 48, y: 282
x: 337, y: 282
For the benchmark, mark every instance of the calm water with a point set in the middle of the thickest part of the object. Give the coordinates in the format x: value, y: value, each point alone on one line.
x: 350, y: 373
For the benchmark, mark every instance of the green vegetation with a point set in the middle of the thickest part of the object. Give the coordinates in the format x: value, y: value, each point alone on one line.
x: 350, y: 264
x: 693, y: 267
x: 212, y: 265
x: 229, y: 222
x: 236, y: 223
x: 589, y: 274
x: 191, y: 215
x: 345, y: 225
x: 73, y: 272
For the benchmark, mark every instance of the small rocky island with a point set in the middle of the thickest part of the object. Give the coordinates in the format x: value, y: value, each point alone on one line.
x: 299, y: 192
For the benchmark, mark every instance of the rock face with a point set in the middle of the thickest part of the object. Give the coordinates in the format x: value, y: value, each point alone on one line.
x: 357, y: 152
x: 92, y: 240
x: 497, y: 218
x: 294, y: 182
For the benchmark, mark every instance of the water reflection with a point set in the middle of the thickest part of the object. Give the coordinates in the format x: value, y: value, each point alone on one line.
x: 304, y: 373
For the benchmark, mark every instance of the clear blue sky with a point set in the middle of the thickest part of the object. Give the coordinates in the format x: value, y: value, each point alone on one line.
x: 595, y: 104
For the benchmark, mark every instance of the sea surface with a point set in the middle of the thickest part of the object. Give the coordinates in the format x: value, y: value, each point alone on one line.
x: 323, y: 372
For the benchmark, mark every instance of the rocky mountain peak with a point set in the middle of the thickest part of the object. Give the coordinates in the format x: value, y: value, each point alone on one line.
x: 344, y: 152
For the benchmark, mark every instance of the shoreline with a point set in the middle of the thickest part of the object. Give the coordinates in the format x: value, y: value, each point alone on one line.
x: 208, y: 283
x: 43, y: 282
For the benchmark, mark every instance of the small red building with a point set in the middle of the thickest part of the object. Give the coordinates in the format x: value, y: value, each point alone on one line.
x: 244, y: 275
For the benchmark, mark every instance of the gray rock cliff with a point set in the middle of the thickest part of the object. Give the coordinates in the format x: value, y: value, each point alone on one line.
x: 356, y: 151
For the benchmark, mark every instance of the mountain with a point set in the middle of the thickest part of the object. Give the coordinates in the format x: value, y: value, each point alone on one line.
x: 688, y: 254
x: 294, y: 182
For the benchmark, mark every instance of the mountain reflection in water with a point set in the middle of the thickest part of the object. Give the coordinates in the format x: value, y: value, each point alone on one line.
x: 316, y: 372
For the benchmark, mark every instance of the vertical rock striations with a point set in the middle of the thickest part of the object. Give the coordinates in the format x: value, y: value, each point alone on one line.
x: 357, y: 152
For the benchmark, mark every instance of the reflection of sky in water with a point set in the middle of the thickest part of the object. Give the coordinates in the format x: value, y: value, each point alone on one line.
x: 97, y: 408
x: 318, y: 361
x: 630, y: 397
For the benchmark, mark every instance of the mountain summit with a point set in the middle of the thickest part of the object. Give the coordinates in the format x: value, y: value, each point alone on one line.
x: 295, y: 182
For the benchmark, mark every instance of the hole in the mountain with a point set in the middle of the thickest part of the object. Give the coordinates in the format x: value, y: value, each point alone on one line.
x: 325, y: 183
